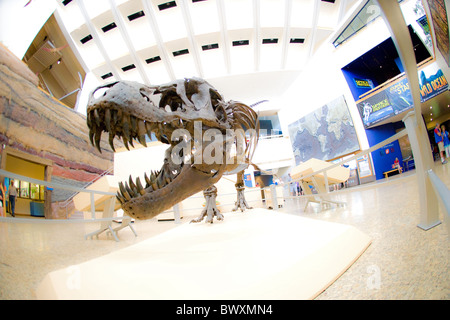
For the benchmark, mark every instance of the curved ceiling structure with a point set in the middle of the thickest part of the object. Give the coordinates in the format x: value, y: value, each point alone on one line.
x: 156, y: 41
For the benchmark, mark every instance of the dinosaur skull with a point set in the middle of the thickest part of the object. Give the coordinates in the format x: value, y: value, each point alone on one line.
x: 131, y: 111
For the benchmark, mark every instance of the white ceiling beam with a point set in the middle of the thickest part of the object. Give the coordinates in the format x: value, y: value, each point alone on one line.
x: 191, y: 37
x: 224, y: 32
x: 148, y: 10
x: 257, y: 34
x: 314, y: 28
x: 342, y: 11
x: 286, y: 33
x: 123, y: 31
x: 97, y: 40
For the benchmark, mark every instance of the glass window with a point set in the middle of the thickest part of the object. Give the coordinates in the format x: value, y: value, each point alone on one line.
x: 367, y: 14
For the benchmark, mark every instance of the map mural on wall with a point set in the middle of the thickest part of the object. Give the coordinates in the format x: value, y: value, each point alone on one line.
x: 324, y: 134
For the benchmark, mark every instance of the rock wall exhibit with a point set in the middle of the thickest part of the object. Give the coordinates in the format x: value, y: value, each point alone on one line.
x: 35, y: 124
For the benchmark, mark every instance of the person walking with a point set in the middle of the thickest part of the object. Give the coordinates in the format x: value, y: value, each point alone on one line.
x: 439, y: 139
x: 446, y: 141
x: 12, y: 194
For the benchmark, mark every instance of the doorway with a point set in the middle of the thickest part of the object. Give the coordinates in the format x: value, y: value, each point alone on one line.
x: 32, y: 199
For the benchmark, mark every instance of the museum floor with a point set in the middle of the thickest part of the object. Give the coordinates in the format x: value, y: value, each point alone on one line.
x: 403, y: 261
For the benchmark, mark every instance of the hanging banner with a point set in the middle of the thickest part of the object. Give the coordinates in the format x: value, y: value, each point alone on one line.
x: 432, y: 82
x: 375, y: 109
x: 397, y: 98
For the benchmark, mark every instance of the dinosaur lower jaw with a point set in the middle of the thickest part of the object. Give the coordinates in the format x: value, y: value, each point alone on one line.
x: 164, y: 188
x: 148, y: 203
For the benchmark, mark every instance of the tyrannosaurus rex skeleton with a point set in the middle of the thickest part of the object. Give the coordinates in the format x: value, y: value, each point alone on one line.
x: 207, y: 137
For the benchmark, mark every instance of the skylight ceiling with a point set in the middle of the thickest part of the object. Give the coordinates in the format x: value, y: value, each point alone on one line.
x: 156, y: 41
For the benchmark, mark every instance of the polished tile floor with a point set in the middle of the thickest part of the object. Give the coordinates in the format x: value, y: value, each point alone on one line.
x: 403, y: 261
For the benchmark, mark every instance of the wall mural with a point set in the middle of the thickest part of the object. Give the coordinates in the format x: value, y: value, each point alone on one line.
x: 440, y: 22
x: 324, y: 134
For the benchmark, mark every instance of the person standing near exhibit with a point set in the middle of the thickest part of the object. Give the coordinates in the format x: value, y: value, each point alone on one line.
x: 440, y: 142
x: 2, y: 200
x: 446, y: 141
x: 12, y: 194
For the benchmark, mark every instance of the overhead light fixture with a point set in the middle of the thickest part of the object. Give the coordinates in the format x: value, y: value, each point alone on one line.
x: 241, y: 43
x: 107, y: 75
x: 154, y: 59
x: 109, y: 27
x: 167, y: 5
x: 268, y: 41
x: 180, y: 52
x: 86, y: 39
x: 210, y: 46
x: 136, y: 15
x: 129, y: 67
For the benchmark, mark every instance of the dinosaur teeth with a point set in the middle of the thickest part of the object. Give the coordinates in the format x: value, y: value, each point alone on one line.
x: 108, y: 119
x: 158, y: 179
x: 127, y: 127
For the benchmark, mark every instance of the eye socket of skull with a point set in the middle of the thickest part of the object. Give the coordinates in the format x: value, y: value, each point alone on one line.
x: 102, y: 90
x: 170, y: 98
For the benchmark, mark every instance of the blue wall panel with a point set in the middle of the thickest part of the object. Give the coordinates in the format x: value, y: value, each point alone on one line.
x: 384, y: 158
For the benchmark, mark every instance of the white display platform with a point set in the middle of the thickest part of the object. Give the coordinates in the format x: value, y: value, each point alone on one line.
x: 258, y: 254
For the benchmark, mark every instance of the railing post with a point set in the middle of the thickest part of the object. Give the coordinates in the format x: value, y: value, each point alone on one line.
x: 273, y: 193
x: 325, y: 177
x: 92, y: 206
x: 176, y: 213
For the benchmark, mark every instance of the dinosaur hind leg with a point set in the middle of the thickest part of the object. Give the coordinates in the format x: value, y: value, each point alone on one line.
x: 210, y: 210
x: 241, y: 203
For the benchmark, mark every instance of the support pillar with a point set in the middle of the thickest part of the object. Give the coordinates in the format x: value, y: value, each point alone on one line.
x: 393, y: 17
x: 423, y: 160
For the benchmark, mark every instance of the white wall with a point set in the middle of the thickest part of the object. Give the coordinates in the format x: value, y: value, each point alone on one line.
x: 138, y: 161
x: 322, y: 81
x: 19, y: 25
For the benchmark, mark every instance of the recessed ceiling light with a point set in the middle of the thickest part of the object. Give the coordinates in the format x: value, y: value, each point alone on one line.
x: 107, y: 75
x: 167, y: 5
x: 154, y: 59
x: 241, y: 43
x: 129, y: 67
x: 136, y: 15
x: 273, y: 40
x: 297, y: 40
x: 109, y: 27
x: 210, y: 46
x: 86, y: 39
x: 180, y: 52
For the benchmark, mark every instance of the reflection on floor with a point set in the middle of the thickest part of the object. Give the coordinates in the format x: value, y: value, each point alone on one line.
x: 403, y: 261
